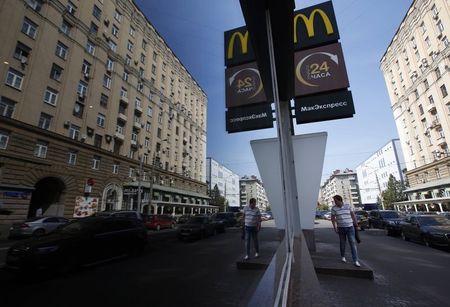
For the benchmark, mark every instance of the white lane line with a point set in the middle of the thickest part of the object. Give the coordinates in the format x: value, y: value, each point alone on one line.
x: 4, y: 248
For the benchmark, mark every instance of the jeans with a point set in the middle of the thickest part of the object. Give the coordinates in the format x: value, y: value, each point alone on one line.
x: 251, y: 233
x: 349, y: 233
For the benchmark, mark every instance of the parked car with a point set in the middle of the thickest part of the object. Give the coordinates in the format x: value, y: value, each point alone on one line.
x: 362, y: 217
x: 160, y: 221
x: 445, y: 214
x: 121, y: 213
x: 428, y: 229
x: 183, y: 218
x: 36, y: 226
x: 320, y: 214
x: 227, y: 218
x: 379, y: 218
x: 327, y: 215
x: 83, y: 241
x: 199, y: 227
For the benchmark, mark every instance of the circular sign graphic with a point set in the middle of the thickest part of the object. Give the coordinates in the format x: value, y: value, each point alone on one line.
x: 246, y: 82
x: 317, y: 69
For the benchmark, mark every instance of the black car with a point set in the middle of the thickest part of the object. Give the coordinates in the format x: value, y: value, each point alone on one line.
x: 227, y: 218
x: 362, y: 217
x: 428, y: 229
x: 84, y: 241
x: 199, y: 227
x: 380, y: 219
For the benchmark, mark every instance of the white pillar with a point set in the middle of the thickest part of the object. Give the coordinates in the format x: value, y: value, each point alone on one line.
x: 426, y: 207
x: 415, y: 207
x: 184, y: 208
x: 173, y: 211
x: 162, y: 209
x: 155, y: 209
x: 440, y: 207
x: 192, y: 210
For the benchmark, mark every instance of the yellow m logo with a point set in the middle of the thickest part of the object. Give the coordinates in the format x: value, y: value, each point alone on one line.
x: 309, y: 23
x: 243, y: 39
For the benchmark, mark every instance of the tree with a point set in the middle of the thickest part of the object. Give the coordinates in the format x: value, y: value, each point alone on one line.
x: 217, y: 199
x: 393, y: 193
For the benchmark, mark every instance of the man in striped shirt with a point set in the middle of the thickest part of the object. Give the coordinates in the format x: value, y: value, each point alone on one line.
x: 252, y: 224
x: 343, y: 215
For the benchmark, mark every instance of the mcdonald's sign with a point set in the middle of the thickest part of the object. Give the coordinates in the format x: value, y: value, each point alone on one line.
x: 238, y: 49
x: 315, y: 25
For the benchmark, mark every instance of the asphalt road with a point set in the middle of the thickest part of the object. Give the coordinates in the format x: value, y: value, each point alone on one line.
x: 169, y: 273
x: 406, y: 273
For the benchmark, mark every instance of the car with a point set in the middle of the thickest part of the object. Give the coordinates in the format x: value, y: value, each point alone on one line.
x: 428, y: 229
x: 379, y: 219
x: 227, y: 218
x: 199, y: 226
x: 36, y: 226
x: 159, y: 221
x: 320, y: 214
x: 445, y: 214
x: 327, y: 215
x: 183, y: 218
x: 83, y: 241
x: 362, y: 217
x: 122, y: 213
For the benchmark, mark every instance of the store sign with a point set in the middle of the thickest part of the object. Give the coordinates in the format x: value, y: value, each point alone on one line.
x: 85, y: 206
x: 315, y: 108
x: 243, y: 86
x: 238, y: 48
x: 249, y: 118
x: 320, y: 69
x: 315, y: 25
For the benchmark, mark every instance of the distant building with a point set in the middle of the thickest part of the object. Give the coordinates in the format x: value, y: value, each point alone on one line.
x: 373, y: 173
x: 416, y: 70
x: 226, y: 180
x: 252, y: 187
x: 344, y: 183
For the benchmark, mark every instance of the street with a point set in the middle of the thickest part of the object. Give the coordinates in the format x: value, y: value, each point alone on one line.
x: 406, y: 273
x: 169, y: 273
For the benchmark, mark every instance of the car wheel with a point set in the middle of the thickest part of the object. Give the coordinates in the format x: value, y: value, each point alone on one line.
x: 426, y: 241
x: 39, y: 232
x: 158, y: 227
x: 404, y: 237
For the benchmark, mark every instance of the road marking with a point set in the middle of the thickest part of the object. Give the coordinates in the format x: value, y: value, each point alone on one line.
x: 4, y: 248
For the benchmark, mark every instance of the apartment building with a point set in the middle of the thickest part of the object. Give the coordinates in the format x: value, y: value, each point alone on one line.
x: 95, y: 105
x: 226, y: 180
x: 252, y: 187
x: 416, y: 68
x: 373, y: 173
x: 344, y: 183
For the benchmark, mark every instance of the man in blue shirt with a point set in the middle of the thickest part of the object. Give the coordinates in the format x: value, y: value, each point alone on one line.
x: 252, y: 224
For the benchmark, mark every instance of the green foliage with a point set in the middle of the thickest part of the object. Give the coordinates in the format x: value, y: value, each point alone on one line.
x: 393, y: 193
x: 217, y: 199
x: 322, y: 207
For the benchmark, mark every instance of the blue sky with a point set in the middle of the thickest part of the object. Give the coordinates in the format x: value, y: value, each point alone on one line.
x: 194, y: 31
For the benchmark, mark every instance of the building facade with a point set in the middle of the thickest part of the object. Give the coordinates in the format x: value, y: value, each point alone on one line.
x: 416, y: 70
x: 226, y: 180
x: 344, y: 183
x: 252, y: 187
x: 373, y: 173
x: 94, y: 105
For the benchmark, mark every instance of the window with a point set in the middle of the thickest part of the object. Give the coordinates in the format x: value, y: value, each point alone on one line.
x: 93, y: 29
x: 101, y: 119
x: 107, y: 81
x: 98, y: 140
x: 112, y: 45
x: 123, y: 92
x: 149, y: 111
x: 416, y: 94
x: 44, y: 121
x: 71, y: 8
x: 164, y: 67
x: 427, y: 41
x: 137, y: 103
x: 56, y: 72
x: 97, y: 12
x: 72, y: 157
x: 61, y: 50
x: 117, y: 16
x: 35, y: 4
x: 115, y: 31
x: 109, y: 65
x: 153, y: 69
x: 131, y: 172
x: 4, y: 138
x: 144, y: 45
x: 40, y: 149
x: 82, y: 89
x: 22, y: 52
x: 66, y: 27
x: 147, y: 143
x: 155, y: 56
x: 142, y: 58
x: 90, y: 47
x: 159, y: 132
x: 130, y: 46
x: 434, y: 10
x: 444, y: 91
x: 78, y: 109
x: 446, y: 42
x: 427, y: 85
x: 7, y: 107
x: 115, y: 167
x: 424, y: 29
x: 86, y: 67
x: 125, y: 75
x: 141, y: 72
x: 131, y: 31
x: 74, y: 132
x: 148, y: 127
x: 95, y: 162
x: 128, y: 60
x: 440, y: 26
x: 103, y: 100
x: 437, y: 71
x: 29, y: 28
x: 14, y: 78
x: 51, y: 96
x: 430, y: 99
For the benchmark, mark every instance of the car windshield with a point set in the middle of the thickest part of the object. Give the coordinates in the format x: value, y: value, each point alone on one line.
x: 34, y: 219
x: 361, y: 213
x: 196, y: 220
x: 76, y: 227
x: 433, y: 220
x: 390, y: 214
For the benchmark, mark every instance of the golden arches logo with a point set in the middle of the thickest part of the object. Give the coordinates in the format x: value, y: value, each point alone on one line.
x: 309, y: 23
x: 243, y: 39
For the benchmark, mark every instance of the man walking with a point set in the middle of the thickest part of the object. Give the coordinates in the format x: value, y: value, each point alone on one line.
x: 343, y: 215
x: 252, y: 224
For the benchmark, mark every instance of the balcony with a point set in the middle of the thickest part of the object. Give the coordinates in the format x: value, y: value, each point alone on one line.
x: 122, y: 117
x: 119, y: 136
x: 137, y: 125
x: 134, y: 143
x: 138, y: 109
x: 124, y: 99
x: 441, y: 141
x: 431, y: 108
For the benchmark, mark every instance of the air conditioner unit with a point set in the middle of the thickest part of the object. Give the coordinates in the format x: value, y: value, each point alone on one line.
x: 414, y: 46
x: 66, y: 123
x: 136, y: 62
x: 23, y: 60
x: 436, y: 16
x: 86, y: 75
x: 81, y: 97
x: 424, y: 60
x: 106, y: 22
x: 108, y: 69
x: 439, y: 35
